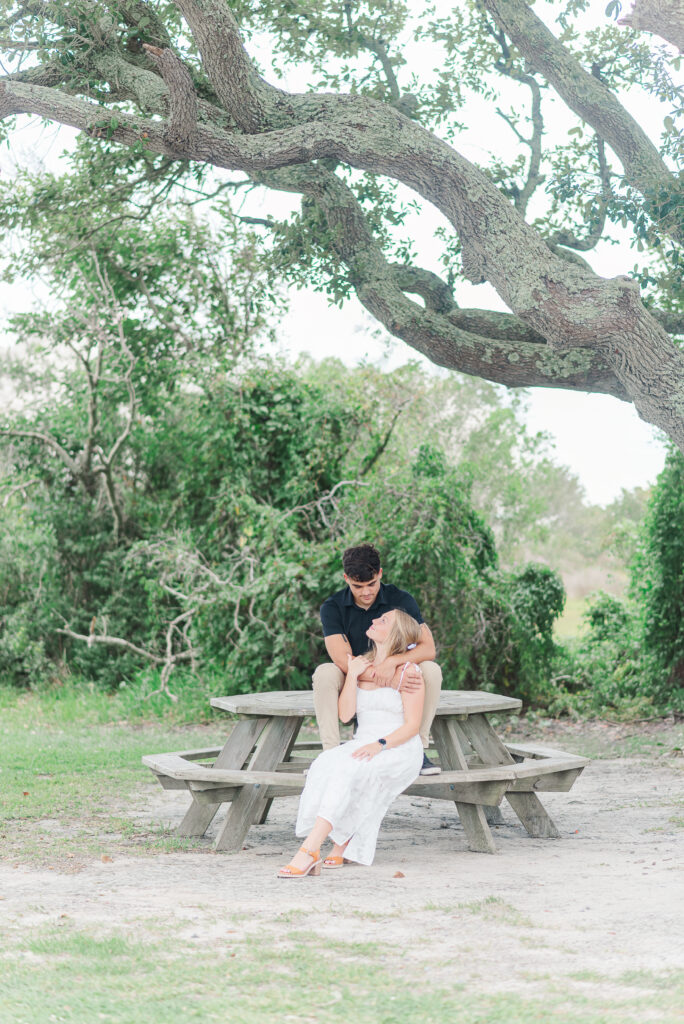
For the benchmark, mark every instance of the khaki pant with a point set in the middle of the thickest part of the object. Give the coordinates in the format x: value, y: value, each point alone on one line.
x: 328, y: 681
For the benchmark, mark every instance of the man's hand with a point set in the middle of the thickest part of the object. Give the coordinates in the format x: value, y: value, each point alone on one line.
x: 413, y: 679
x: 383, y: 673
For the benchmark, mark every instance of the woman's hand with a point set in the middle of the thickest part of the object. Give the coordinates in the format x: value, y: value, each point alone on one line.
x: 368, y: 752
x: 356, y: 666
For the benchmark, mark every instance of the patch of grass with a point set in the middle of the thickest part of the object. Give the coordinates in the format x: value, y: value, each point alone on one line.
x: 75, y: 773
x: 653, y: 979
x: 79, y: 700
x: 637, y: 742
x: 372, y: 915
x: 289, y: 916
x: 493, y: 908
x: 597, y: 739
x: 75, y: 976
x: 571, y: 622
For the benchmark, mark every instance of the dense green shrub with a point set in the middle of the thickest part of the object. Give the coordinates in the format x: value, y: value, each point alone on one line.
x: 237, y: 503
x: 658, y: 586
x: 602, y: 670
x: 630, y: 657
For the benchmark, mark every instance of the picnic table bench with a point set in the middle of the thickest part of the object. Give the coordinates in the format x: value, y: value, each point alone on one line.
x: 261, y: 761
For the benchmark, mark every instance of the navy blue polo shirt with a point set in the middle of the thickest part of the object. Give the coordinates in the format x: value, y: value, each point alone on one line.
x: 339, y: 614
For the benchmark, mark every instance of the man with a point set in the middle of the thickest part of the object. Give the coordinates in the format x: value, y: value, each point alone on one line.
x: 345, y: 617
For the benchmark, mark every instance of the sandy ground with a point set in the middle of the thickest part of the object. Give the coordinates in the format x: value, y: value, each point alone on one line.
x: 605, y: 898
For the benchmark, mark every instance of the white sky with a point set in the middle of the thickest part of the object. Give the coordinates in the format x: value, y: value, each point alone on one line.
x: 601, y: 439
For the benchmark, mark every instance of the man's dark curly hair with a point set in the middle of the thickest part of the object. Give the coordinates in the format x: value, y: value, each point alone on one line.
x: 361, y: 563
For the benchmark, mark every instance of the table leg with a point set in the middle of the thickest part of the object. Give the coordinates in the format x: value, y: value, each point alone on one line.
x: 248, y: 806
x: 236, y: 750
x: 473, y: 819
x: 531, y: 812
x: 286, y: 757
x: 492, y: 813
x: 527, y: 806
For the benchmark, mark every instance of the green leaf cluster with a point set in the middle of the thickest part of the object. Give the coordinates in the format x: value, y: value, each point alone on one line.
x: 630, y: 658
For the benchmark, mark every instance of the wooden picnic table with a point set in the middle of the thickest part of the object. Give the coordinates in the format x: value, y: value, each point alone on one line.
x: 261, y: 761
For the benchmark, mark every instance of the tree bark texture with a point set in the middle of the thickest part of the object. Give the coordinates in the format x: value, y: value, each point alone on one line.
x: 665, y: 18
x: 568, y: 328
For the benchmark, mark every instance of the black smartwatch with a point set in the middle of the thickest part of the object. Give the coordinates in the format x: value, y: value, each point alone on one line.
x: 383, y: 743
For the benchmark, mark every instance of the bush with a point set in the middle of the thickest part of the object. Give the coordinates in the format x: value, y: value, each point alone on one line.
x: 602, y: 670
x: 658, y: 586
x: 237, y: 506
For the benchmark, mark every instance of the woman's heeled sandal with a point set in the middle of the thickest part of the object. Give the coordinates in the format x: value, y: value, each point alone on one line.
x: 336, y: 861
x: 314, y: 868
x: 333, y: 862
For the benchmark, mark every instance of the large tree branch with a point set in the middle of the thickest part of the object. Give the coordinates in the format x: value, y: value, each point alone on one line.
x: 182, y: 96
x: 569, y: 306
x: 435, y: 292
x: 540, y: 288
x: 127, y: 80
x: 587, y: 95
x: 438, y: 297
x: 440, y: 332
x: 49, y: 75
x: 665, y: 18
x: 250, y: 101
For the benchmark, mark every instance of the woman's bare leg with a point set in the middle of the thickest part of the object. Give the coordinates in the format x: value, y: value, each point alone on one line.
x: 338, y: 849
x: 318, y: 833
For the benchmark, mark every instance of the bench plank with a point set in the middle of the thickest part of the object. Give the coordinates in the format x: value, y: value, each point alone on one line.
x: 554, y: 782
x: 202, y: 776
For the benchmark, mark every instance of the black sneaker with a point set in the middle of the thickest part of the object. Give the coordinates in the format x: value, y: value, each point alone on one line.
x: 429, y: 768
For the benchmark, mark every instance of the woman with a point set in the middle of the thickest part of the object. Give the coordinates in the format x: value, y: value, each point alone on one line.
x: 349, y: 788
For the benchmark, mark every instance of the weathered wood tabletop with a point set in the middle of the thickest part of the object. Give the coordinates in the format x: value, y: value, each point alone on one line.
x: 260, y: 761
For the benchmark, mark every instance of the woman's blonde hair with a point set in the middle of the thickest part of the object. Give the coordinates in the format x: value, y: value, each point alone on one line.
x: 405, y: 630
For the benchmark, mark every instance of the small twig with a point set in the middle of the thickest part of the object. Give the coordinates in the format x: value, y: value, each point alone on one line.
x: 318, y: 502
x: 19, y: 487
x: 568, y: 238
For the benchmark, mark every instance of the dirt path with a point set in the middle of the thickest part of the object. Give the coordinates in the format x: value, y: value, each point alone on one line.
x: 592, y: 908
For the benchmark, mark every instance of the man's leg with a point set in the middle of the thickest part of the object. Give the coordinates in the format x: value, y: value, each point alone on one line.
x: 432, y: 674
x: 328, y: 680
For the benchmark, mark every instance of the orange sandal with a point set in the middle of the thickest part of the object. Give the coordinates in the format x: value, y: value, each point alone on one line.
x: 314, y: 867
x: 336, y: 861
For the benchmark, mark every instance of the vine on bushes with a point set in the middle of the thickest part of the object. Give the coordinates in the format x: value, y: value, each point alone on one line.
x: 238, y: 503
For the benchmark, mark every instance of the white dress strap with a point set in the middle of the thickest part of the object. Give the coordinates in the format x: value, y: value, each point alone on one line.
x: 401, y: 677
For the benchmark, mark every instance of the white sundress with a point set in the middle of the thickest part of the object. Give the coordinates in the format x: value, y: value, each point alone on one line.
x: 354, y: 795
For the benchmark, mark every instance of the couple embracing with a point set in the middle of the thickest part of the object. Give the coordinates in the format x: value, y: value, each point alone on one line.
x: 381, y: 673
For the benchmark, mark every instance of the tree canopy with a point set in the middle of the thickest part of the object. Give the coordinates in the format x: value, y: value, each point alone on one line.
x: 186, y: 94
